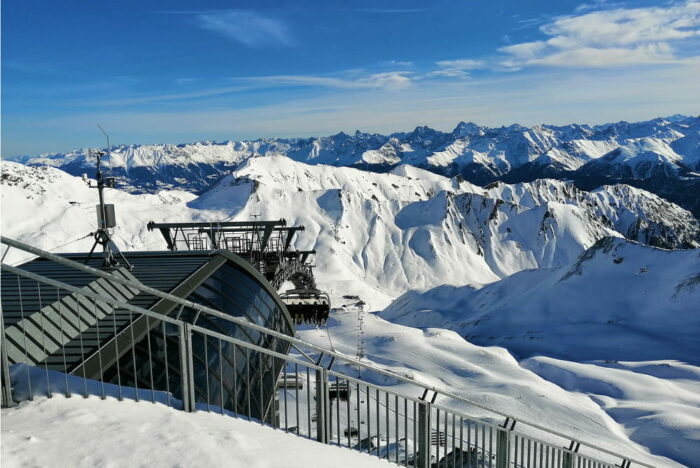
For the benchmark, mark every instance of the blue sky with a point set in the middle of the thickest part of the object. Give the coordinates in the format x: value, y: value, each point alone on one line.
x: 176, y: 71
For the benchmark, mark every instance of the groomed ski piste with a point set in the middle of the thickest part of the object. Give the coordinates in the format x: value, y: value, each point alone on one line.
x: 427, y: 263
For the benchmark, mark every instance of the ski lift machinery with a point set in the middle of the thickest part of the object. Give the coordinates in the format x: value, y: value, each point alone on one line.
x: 266, y: 246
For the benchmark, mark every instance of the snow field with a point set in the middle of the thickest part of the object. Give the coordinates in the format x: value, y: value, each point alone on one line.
x: 78, y: 432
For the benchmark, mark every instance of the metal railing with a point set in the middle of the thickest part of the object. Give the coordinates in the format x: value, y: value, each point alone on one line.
x: 181, y: 361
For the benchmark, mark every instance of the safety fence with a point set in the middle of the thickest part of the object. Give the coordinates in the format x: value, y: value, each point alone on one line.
x: 63, y: 339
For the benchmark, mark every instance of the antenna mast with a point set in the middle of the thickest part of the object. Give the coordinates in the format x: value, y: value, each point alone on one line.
x: 106, y: 218
x: 109, y: 147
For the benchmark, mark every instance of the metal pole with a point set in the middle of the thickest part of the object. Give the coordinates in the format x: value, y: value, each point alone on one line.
x: 186, y: 371
x: 322, y: 416
x: 569, y: 458
x: 6, y: 384
x: 423, y: 435
x: 109, y: 147
x: 100, y: 188
x: 503, y: 448
x: 570, y: 455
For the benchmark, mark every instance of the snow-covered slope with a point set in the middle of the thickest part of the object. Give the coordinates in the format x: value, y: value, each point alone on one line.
x: 50, y: 209
x: 640, y: 159
x: 91, y: 432
x: 397, y: 232
x: 637, y: 214
x: 410, y: 228
x: 492, y: 376
x: 657, y: 402
x: 619, y: 325
x: 607, y: 304
x: 689, y: 146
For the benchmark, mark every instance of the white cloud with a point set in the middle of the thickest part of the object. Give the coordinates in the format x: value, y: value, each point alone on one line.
x: 247, y: 27
x: 397, y: 63
x: 597, y: 96
x: 597, y: 5
x: 449, y: 73
x: 525, y: 49
x: 537, y: 97
x: 611, y: 57
x: 456, y: 68
x: 168, y: 97
x: 461, y: 64
x: 612, y: 37
x: 389, y: 81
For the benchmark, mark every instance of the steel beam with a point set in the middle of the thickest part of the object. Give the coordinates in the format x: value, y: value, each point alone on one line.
x: 152, y: 225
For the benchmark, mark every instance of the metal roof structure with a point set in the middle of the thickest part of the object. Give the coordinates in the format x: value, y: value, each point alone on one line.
x: 67, y: 332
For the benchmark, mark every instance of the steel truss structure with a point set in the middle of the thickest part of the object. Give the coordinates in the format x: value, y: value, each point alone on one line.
x: 267, y: 246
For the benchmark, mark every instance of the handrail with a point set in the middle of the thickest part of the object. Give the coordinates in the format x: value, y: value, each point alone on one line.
x: 246, y: 323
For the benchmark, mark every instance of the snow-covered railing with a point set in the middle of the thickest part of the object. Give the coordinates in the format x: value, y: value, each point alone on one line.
x: 383, y: 414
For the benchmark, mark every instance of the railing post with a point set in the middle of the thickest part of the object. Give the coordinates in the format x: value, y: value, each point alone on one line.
x: 423, y: 452
x: 503, y: 448
x: 6, y: 383
x: 322, y: 412
x: 186, y: 367
x: 570, y: 455
x: 569, y: 458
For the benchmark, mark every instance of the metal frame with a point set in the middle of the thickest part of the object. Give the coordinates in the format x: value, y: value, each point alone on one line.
x: 215, y: 231
x: 252, y: 240
x: 396, y: 415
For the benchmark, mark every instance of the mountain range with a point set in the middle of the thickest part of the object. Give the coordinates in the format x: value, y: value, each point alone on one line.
x: 394, y: 231
x: 660, y: 155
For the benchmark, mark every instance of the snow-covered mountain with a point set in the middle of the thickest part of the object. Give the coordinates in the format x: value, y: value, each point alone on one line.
x: 408, y: 228
x: 637, y: 214
x: 380, y: 235
x: 660, y: 155
x: 639, y: 159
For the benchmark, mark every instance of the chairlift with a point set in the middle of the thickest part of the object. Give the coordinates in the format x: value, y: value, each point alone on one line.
x: 290, y: 381
x: 339, y: 391
x: 307, y: 305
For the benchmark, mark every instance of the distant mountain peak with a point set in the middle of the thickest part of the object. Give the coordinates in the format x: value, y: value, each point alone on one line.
x: 466, y: 129
x: 481, y: 155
